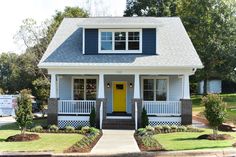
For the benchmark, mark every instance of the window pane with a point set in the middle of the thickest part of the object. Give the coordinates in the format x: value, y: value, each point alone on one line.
x: 161, y: 89
x: 106, y: 45
x: 120, y: 45
x: 78, y: 89
x: 120, y: 36
x: 133, y: 45
x: 148, y: 89
x: 106, y: 35
x: 91, y: 89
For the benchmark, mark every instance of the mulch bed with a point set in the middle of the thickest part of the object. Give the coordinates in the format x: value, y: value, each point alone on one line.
x: 218, y: 137
x: 142, y: 147
x: 22, y: 137
x: 85, y: 149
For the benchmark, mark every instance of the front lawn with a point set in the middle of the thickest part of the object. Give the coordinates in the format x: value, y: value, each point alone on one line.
x: 230, y: 99
x: 56, y: 142
x: 188, y: 141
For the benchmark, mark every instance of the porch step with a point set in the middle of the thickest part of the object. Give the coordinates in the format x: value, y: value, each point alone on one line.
x: 118, y: 124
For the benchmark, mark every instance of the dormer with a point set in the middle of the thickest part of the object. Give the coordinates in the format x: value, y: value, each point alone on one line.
x: 119, y: 38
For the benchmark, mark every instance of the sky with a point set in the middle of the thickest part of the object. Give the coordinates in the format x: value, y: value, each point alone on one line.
x: 13, y: 12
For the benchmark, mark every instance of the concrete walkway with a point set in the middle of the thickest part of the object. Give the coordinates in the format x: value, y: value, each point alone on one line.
x: 6, y: 120
x: 116, y: 142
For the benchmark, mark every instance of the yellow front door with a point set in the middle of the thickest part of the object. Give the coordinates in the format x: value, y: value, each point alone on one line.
x: 119, y: 96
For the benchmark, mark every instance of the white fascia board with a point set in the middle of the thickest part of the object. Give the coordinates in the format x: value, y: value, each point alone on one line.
x: 119, y: 26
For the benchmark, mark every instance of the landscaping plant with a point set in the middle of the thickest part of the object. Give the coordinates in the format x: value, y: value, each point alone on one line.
x: 92, y: 117
x: 24, y: 114
x: 144, y: 120
x: 214, y: 111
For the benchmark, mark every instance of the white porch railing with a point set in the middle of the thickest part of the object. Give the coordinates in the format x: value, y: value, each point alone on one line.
x: 163, y: 108
x: 75, y: 106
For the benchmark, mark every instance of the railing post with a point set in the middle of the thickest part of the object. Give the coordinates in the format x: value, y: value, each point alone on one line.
x: 136, y: 115
x: 101, y: 114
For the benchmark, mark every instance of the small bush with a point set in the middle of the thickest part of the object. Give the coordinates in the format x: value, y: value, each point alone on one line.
x: 149, y: 141
x: 173, y: 128
x: 53, y: 128
x: 85, y: 129
x: 69, y: 129
x: 144, y: 118
x: 149, y: 128
x: 166, y: 128
x: 182, y: 128
x: 158, y: 128
x: 92, y: 118
x: 37, y: 128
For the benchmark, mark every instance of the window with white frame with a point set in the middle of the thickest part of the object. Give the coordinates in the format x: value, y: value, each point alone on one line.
x: 155, y: 89
x: 84, y: 89
x: 113, y: 41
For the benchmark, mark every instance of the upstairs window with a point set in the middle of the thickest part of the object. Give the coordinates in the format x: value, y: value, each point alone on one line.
x: 120, y: 41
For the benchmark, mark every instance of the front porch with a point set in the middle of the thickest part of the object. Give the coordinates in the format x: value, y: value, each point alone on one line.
x: 119, y: 99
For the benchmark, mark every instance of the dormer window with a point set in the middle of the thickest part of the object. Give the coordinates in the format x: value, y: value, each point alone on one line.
x: 120, y: 41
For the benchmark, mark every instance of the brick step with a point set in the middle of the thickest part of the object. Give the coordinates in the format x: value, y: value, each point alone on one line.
x: 118, y: 124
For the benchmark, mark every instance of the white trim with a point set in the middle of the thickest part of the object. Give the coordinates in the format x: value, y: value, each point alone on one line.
x: 186, y: 94
x: 157, y: 42
x: 136, y: 86
x: 156, y: 77
x: 113, y: 41
x: 83, y: 40
x: 101, y: 87
x: 126, y: 94
x: 53, y: 86
x: 83, y: 77
x: 76, y: 118
x: 119, y: 117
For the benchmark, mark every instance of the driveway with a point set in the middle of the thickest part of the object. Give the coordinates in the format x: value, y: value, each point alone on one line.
x: 6, y: 120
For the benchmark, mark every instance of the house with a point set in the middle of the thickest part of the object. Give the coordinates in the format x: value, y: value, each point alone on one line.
x: 213, y: 86
x: 118, y: 65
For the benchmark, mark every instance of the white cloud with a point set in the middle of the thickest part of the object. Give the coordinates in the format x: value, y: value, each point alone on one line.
x: 12, y: 12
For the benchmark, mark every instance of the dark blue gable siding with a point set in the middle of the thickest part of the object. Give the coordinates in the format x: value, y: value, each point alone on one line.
x: 149, y: 41
x: 91, y: 41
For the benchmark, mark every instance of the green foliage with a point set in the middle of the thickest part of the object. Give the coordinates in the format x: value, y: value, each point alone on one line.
x: 92, y: 118
x: 151, y: 8
x: 144, y: 118
x: 70, y: 129
x: 149, y: 128
x: 149, y: 141
x: 37, y: 128
x: 182, y: 129
x: 214, y: 111
x: 53, y: 128
x: 24, y: 116
x: 1, y: 91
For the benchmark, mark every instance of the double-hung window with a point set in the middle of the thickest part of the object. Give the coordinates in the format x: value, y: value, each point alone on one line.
x: 120, y: 41
x: 155, y: 89
x: 84, y: 89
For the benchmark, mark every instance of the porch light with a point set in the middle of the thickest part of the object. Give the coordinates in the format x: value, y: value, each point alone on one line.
x: 131, y: 85
x: 108, y: 85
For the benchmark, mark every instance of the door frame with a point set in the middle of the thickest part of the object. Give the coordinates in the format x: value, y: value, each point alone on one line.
x: 125, y: 82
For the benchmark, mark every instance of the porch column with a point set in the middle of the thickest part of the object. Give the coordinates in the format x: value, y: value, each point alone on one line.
x: 136, y: 87
x: 101, y: 86
x: 186, y: 91
x: 53, y: 86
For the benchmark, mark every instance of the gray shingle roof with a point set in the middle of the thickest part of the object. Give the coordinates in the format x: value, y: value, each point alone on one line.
x: 173, y: 45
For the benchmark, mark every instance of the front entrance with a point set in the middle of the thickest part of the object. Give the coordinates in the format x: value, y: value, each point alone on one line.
x: 119, y: 96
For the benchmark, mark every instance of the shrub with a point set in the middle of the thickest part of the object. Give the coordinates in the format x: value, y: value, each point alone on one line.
x: 37, y: 128
x: 158, y: 128
x: 85, y: 129
x: 144, y: 118
x: 166, y: 128
x: 92, y: 117
x: 53, y: 128
x: 70, y: 129
x: 24, y: 116
x: 182, y: 128
x: 149, y: 128
x: 149, y: 141
x: 173, y: 128
x: 214, y: 111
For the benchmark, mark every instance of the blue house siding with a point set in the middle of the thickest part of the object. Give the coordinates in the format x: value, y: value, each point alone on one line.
x: 149, y: 41
x: 91, y: 41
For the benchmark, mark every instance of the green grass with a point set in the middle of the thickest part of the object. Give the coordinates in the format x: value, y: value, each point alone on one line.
x: 188, y: 141
x: 230, y: 99
x: 48, y: 141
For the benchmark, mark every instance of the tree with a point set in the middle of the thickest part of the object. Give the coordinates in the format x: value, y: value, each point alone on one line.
x: 144, y: 118
x: 24, y: 114
x: 92, y: 117
x: 41, y: 87
x: 211, y: 26
x: 214, y: 111
x: 151, y: 8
